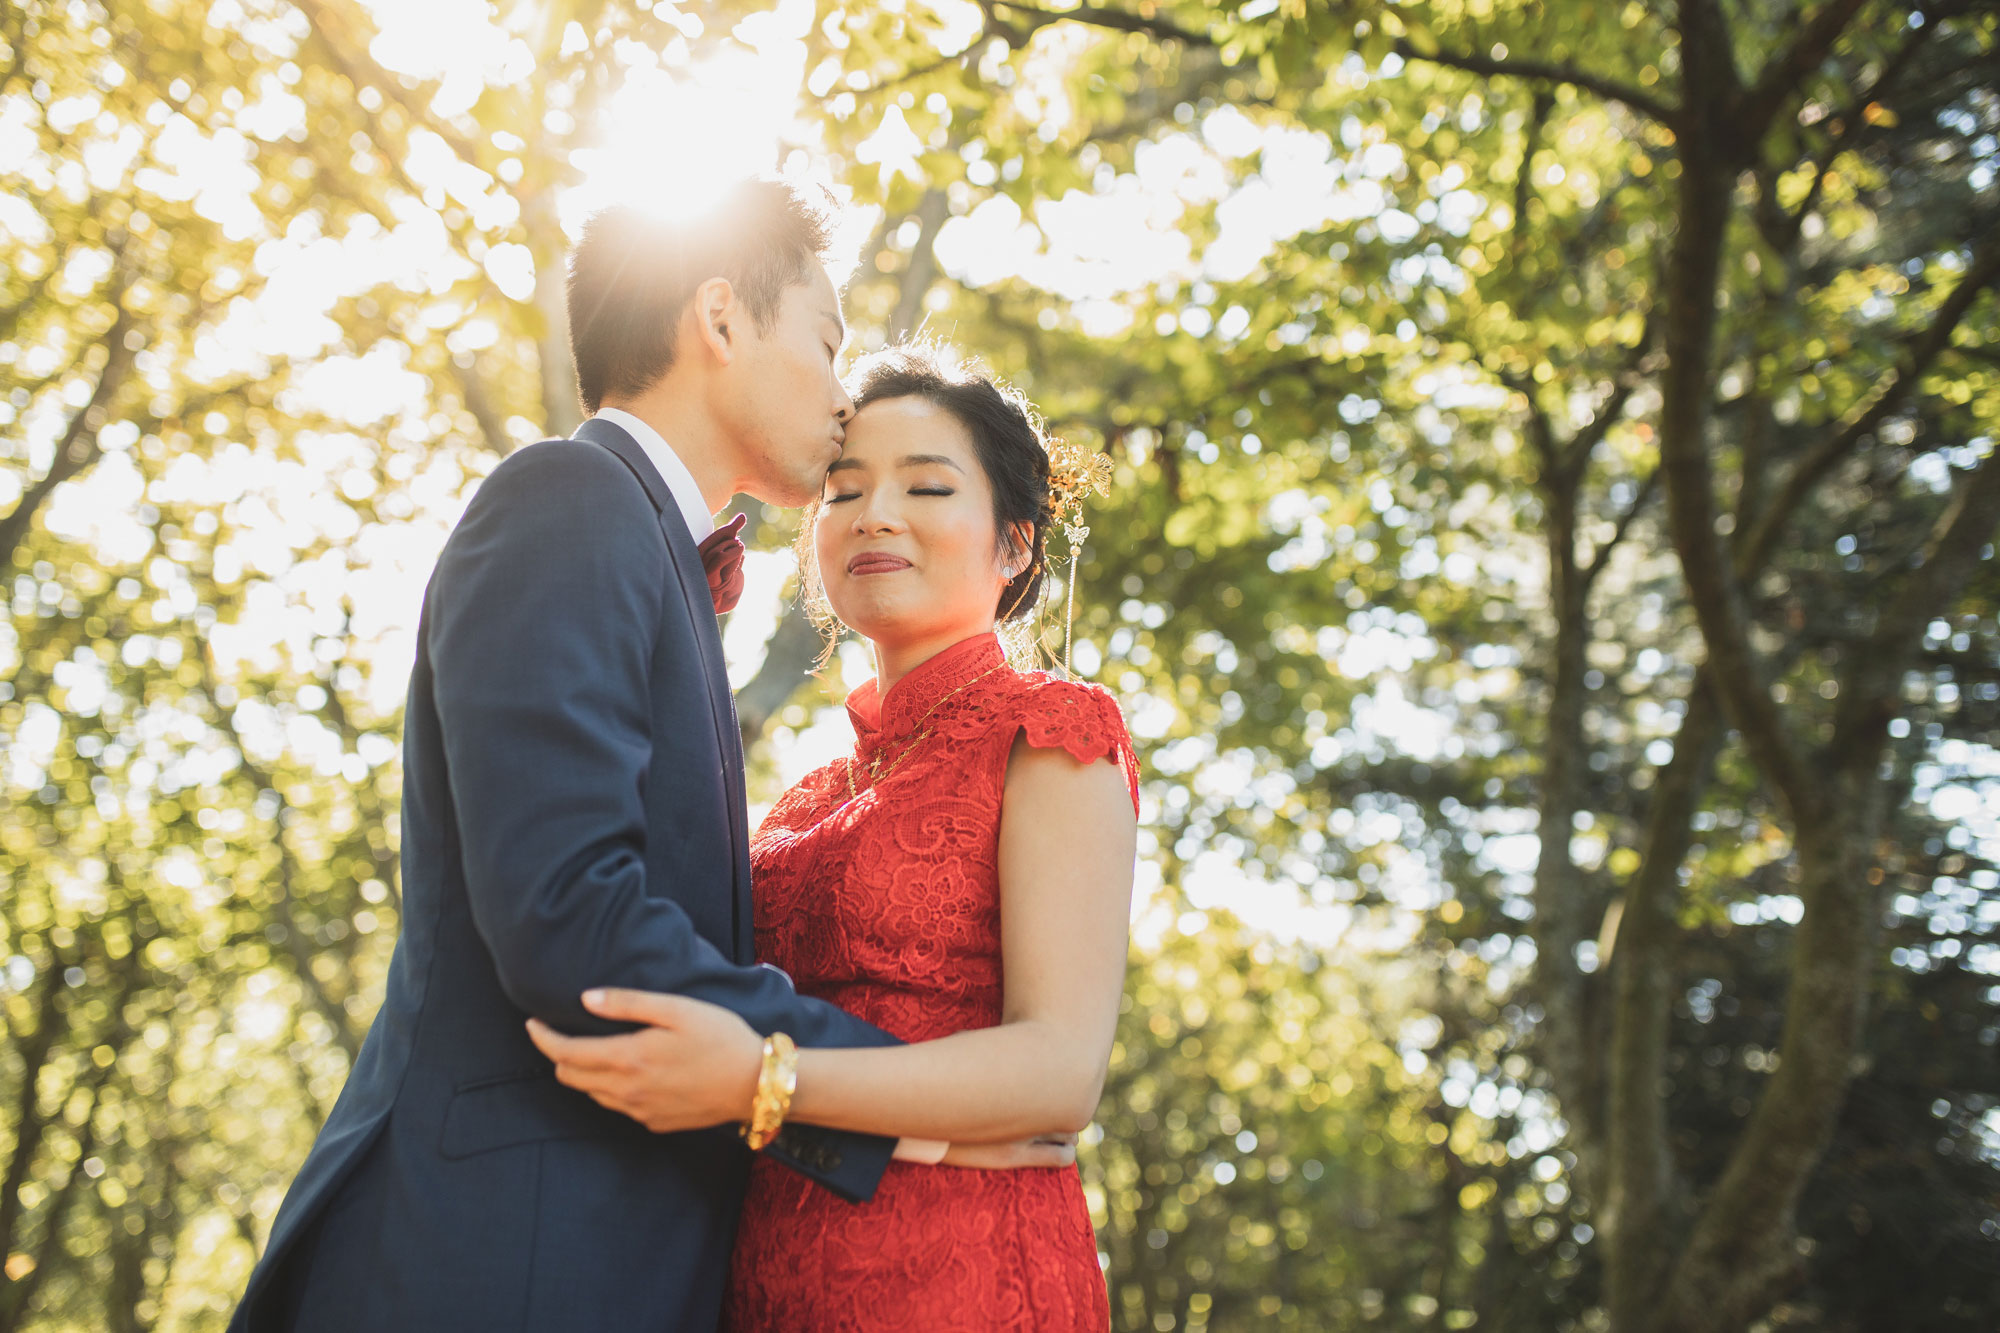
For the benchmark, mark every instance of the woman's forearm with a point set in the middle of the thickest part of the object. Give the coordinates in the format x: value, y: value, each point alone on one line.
x: 1008, y: 1082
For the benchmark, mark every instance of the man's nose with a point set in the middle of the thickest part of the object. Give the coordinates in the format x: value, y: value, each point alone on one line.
x: 843, y: 405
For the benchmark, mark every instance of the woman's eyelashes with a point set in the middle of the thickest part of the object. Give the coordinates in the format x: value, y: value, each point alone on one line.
x: 914, y: 490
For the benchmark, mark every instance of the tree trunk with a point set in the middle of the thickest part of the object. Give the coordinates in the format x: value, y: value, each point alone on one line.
x: 1742, y: 1253
x: 931, y: 213
x: 561, y: 411
x: 1636, y: 1216
x: 28, y: 1121
x: 1562, y: 913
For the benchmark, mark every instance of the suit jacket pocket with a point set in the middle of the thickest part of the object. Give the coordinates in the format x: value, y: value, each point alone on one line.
x: 511, y: 1109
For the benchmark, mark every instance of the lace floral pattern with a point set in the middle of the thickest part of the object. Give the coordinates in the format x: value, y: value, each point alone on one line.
x: 885, y: 899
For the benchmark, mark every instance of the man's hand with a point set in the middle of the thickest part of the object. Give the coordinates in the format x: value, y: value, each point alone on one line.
x: 1042, y: 1151
x: 693, y: 1065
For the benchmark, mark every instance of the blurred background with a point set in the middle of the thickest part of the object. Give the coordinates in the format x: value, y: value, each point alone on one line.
x: 1473, y: 372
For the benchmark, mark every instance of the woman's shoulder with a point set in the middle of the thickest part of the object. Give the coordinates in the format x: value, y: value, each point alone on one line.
x: 1008, y: 696
x: 1067, y: 705
x: 1051, y: 692
x: 1049, y: 711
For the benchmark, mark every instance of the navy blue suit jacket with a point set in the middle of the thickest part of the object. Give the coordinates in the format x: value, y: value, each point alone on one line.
x: 573, y: 816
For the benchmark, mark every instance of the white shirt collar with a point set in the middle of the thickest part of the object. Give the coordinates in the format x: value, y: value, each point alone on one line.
x: 687, y: 495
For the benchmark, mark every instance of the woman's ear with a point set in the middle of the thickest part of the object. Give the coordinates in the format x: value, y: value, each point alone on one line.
x: 1022, y: 545
x: 1016, y: 549
x: 713, y: 310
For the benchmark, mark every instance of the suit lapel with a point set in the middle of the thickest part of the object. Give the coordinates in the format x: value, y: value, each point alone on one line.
x: 693, y: 581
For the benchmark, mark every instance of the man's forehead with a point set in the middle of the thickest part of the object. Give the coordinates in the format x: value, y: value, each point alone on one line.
x: 819, y: 287
x: 825, y: 298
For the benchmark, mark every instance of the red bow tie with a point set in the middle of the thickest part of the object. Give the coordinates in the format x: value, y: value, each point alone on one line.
x: 722, y: 558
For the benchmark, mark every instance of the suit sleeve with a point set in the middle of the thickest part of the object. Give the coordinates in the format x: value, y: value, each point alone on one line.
x: 544, y: 616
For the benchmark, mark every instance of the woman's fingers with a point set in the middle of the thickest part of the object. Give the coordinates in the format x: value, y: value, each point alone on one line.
x: 667, y: 1074
x: 625, y: 1073
x: 635, y: 1006
x: 607, y: 1053
x: 1055, y: 1151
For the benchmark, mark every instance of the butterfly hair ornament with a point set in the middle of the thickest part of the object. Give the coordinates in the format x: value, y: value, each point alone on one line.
x: 1074, y: 473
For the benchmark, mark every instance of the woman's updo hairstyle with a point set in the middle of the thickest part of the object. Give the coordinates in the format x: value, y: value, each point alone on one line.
x: 1008, y: 439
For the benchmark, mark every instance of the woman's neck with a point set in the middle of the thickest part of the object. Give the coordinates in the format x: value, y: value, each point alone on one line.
x: 895, y: 659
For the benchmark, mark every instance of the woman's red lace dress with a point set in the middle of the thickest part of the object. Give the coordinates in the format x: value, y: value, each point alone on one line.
x: 886, y: 902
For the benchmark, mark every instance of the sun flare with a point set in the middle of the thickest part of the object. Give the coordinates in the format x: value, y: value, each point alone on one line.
x: 678, y: 130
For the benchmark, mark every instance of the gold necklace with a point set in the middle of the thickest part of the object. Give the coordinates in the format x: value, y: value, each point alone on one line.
x: 876, y: 773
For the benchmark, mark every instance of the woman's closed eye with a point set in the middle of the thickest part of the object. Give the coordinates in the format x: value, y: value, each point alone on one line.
x: 839, y: 496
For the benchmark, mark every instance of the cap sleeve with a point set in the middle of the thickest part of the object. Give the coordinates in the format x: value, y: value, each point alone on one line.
x: 1082, y: 719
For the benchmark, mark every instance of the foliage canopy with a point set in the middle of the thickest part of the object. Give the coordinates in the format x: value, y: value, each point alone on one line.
x: 1550, y: 575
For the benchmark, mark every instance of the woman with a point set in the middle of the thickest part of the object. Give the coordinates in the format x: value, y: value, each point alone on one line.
x: 962, y: 880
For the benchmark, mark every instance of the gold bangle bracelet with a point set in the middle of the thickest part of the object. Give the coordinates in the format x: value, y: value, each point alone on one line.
x: 777, y: 1080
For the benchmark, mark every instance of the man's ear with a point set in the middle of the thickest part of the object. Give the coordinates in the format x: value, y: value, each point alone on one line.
x: 716, y: 315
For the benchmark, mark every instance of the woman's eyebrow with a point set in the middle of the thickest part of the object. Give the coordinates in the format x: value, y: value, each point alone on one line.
x: 921, y: 460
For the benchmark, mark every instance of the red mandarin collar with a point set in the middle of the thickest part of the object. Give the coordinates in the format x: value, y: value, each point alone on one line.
x: 879, y: 721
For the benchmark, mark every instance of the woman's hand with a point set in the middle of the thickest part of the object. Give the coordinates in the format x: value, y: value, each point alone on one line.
x: 692, y: 1065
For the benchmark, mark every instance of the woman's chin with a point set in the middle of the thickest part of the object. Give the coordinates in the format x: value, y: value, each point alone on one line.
x: 871, y: 618
x: 885, y: 624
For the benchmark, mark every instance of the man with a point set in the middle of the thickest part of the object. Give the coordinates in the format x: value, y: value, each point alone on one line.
x: 574, y: 817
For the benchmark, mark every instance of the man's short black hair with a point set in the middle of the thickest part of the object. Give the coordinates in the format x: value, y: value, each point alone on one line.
x: 633, y: 273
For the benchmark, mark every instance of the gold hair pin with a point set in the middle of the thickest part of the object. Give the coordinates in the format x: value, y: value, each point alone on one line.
x: 1074, y: 473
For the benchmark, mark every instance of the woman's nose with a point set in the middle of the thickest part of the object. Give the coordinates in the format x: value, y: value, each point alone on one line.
x: 877, y: 512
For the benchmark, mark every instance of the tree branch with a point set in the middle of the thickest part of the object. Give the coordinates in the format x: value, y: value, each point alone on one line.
x: 1545, y: 72
x: 1869, y: 696
x: 1693, y: 276
x: 1866, y: 415
x: 1790, y: 67
x: 1524, y: 179
x: 1781, y: 229
x: 10, y: 316
x: 909, y: 75
x: 1098, y: 16
x: 77, y: 448
x: 788, y: 656
x: 1541, y: 432
x: 1586, y: 440
x: 295, y: 940
x: 1602, y: 555
x: 333, y: 31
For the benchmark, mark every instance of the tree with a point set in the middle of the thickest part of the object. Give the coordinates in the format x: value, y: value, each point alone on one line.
x: 1548, y: 576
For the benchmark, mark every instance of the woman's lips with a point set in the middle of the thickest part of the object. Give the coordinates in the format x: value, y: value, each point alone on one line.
x: 876, y: 562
